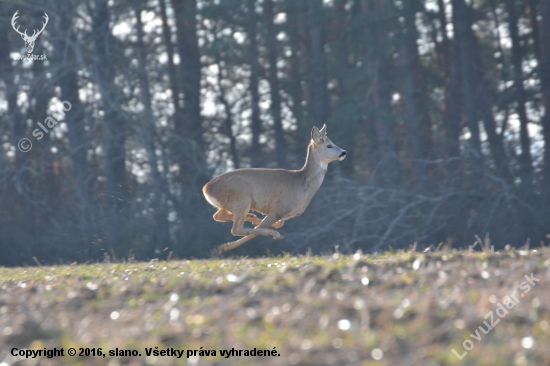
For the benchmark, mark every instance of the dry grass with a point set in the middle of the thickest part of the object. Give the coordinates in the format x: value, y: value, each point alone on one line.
x: 414, y: 307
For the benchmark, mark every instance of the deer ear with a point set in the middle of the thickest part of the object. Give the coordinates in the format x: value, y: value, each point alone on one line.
x: 323, y: 131
x: 315, y: 134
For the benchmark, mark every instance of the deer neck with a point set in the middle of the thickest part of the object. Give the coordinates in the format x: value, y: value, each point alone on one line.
x: 313, y: 171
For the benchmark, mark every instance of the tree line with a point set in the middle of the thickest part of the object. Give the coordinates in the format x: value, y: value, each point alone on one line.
x: 442, y: 106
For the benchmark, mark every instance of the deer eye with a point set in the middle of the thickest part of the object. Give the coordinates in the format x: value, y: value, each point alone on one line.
x: 329, y: 146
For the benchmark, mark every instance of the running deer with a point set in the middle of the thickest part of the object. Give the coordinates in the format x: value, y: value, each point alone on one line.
x: 279, y: 194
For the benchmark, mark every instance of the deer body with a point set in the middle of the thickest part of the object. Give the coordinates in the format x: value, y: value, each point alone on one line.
x: 277, y: 193
x: 286, y: 193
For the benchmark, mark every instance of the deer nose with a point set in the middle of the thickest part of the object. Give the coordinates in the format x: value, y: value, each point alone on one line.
x: 344, y: 153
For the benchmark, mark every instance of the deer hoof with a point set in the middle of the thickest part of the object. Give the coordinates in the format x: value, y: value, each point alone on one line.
x: 218, y: 251
x: 279, y: 238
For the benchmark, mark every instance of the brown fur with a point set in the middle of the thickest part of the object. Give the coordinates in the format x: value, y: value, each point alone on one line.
x: 277, y: 193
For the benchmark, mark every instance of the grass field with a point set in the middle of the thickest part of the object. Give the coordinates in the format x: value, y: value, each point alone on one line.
x: 394, y: 308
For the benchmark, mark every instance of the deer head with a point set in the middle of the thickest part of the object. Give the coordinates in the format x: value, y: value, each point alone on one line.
x: 29, y: 40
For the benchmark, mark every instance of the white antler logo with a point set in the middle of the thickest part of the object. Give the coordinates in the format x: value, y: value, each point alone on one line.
x: 29, y: 40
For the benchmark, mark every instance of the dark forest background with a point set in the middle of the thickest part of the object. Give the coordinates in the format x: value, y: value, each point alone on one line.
x: 439, y: 103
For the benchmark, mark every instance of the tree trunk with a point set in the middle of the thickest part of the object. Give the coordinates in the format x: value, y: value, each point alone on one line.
x: 194, y: 172
x: 66, y: 51
x: 526, y: 161
x: 303, y: 67
x: 190, y: 68
x: 256, y: 154
x: 377, y: 98
x: 228, y: 119
x: 476, y: 92
x: 318, y: 67
x: 544, y: 67
x: 174, y: 77
x: 161, y: 235
x: 462, y: 29
x: 20, y: 177
x: 295, y: 84
x: 485, y: 103
x: 280, y: 143
x: 454, y: 107
x: 531, y: 9
x: 449, y: 55
x: 418, y: 125
x: 114, y: 134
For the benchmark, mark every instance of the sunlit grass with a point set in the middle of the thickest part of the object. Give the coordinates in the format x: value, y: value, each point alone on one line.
x: 335, y: 309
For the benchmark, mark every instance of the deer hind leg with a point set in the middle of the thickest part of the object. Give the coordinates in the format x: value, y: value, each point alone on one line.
x: 255, y: 220
x: 239, y: 216
x: 279, y: 224
x: 234, y: 244
x: 223, y: 215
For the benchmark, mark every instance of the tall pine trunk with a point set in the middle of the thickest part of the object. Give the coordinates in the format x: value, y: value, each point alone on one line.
x: 317, y: 58
x: 190, y: 69
x: 256, y: 153
x: 273, y: 78
x: 377, y: 97
x: 462, y: 25
x: 114, y: 134
x: 148, y: 134
x: 418, y: 125
x: 544, y: 67
x: 526, y: 161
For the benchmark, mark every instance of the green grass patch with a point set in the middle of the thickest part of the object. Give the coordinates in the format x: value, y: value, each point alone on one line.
x: 392, y: 308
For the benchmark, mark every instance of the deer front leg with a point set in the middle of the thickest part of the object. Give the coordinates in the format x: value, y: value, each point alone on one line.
x: 268, y: 221
x: 238, y: 229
